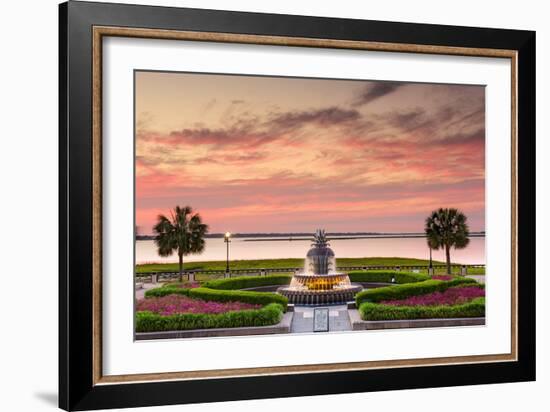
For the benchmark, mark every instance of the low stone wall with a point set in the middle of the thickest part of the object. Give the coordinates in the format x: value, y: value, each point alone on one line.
x: 359, y: 324
x: 282, y: 327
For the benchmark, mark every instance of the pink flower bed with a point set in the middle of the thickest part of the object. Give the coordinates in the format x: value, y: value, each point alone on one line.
x: 173, y: 304
x: 442, y: 277
x: 452, y: 296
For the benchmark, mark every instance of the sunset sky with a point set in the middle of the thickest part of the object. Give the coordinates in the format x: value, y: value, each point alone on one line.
x: 268, y: 154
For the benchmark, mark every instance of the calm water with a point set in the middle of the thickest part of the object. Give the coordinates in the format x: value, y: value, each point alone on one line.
x: 241, y: 249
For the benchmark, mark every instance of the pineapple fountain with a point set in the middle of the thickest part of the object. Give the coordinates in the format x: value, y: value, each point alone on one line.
x: 320, y: 284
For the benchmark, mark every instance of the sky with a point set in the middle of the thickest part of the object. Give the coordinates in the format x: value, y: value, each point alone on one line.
x: 277, y: 154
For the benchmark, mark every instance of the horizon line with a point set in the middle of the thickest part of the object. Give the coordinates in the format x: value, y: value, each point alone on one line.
x: 249, y: 234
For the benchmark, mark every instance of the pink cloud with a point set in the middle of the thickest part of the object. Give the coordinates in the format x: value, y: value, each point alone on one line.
x: 296, y: 170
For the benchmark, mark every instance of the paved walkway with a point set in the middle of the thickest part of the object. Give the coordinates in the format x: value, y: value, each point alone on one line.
x: 302, y: 321
x: 140, y: 293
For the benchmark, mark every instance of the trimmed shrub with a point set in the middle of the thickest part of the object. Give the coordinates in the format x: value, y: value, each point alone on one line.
x: 151, y: 322
x: 165, y: 291
x: 184, y: 284
x: 410, y: 289
x: 385, y: 276
x: 460, y: 281
x: 255, y: 298
x: 222, y: 295
x: 443, y: 277
x: 375, y: 311
x: 243, y: 282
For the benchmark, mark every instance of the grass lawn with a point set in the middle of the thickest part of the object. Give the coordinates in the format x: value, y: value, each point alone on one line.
x: 278, y: 263
x: 476, y: 271
x: 456, y: 271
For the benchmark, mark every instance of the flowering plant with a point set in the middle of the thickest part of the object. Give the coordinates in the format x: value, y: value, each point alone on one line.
x: 174, y: 304
x: 451, y: 296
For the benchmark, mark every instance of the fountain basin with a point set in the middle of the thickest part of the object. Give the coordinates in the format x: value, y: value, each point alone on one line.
x: 312, y: 289
x: 320, y: 297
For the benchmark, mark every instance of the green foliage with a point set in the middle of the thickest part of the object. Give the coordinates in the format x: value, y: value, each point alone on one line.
x: 375, y: 311
x: 183, y: 232
x: 385, y: 276
x: 476, y: 271
x: 409, y: 289
x: 151, y: 322
x: 460, y: 281
x: 447, y: 228
x: 255, y: 298
x: 183, y: 284
x: 224, y: 292
x: 278, y: 264
x: 244, y: 282
x: 165, y: 291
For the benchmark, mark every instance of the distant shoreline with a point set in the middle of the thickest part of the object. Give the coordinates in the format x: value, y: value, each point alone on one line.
x: 308, y: 236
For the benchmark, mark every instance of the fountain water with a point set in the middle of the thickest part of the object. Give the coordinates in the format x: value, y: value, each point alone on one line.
x: 320, y: 283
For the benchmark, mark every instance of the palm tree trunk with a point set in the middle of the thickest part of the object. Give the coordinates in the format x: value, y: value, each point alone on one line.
x: 180, y: 256
x: 448, y: 257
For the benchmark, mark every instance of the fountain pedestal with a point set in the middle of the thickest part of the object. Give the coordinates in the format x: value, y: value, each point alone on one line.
x: 319, y: 284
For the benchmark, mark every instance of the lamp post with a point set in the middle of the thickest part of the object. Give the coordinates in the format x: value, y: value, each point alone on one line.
x: 227, y: 240
x: 431, y: 269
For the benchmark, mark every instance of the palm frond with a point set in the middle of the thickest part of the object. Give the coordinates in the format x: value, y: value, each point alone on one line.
x: 447, y: 228
x: 183, y: 232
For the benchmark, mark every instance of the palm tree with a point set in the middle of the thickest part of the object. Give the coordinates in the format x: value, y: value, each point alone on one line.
x: 183, y: 233
x: 447, y: 228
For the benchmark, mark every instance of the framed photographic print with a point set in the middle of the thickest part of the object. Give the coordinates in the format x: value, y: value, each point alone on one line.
x: 258, y: 205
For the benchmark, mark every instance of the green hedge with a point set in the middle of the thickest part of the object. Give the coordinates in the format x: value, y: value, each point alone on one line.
x: 151, y: 322
x: 385, y: 276
x: 166, y: 290
x: 409, y: 289
x: 255, y: 298
x: 243, y: 282
x: 184, y: 284
x: 208, y: 294
x: 376, y: 311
